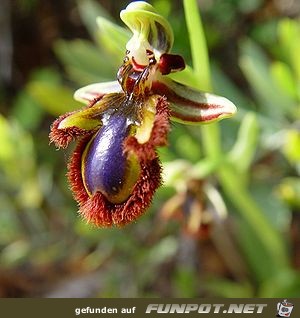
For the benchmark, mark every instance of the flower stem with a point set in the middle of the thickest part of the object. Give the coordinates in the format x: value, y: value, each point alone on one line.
x: 201, y: 69
x: 198, y: 44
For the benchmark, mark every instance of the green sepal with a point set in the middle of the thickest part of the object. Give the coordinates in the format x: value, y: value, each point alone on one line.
x: 150, y: 31
x: 91, y: 117
x: 80, y: 120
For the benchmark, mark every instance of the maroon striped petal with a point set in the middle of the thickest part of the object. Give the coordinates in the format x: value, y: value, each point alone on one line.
x: 89, y: 93
x: 190, y: 106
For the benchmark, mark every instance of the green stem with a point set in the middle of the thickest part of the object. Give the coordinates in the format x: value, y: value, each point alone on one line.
x: 227, y: 174
x: 202, y: 72
x: 198, y: 48
x: 211, y: 141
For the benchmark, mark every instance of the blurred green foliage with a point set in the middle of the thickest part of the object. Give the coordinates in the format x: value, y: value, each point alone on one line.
x: 226, y: 223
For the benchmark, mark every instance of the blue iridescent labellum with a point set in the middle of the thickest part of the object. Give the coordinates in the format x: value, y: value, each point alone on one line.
x: 105, y: 166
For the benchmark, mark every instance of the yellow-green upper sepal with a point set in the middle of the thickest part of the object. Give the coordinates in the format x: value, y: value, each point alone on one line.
x: 150, y: 31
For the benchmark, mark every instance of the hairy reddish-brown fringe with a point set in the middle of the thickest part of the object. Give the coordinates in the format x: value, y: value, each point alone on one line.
x: 62, y: 137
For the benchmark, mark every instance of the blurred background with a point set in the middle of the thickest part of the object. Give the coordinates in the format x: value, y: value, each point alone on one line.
x: 212, y: 230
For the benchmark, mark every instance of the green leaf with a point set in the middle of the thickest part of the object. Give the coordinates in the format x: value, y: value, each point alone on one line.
x: 176, y: 172
x: 15, y: 253
x: 284, y: 78
x: 255, y: 254
x: 276, y: 212
x: 82, y: 77
x: 7, y: 148
x: 270, y: 238
x: 9, y: 222
x: 288, y: 33
x: 248, y: 6
x: 291, y: 148
x: 186, y: 77
x: 27, y: 111
x: 46, y: 74
x: 83, y: 60
x: 224, y: 86
x: 162, y: 6
x: 113, y: 39
x: 286, y: 284
x: 187, y: 147
x: 163, y: 251
x: 289, y: 192
x: 256, y: 68
x: 220, y: 287
x: 203, y: 168
x: 89, y: 10
x: 185, y: 283
x: 56, y: 100
x: 17, y: 150
x: 245, y: 146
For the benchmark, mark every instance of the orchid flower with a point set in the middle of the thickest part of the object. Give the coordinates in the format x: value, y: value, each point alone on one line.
x: 114, y: 170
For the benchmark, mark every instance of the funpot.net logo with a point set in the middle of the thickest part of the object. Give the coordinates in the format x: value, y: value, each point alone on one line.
x: 205, y: 308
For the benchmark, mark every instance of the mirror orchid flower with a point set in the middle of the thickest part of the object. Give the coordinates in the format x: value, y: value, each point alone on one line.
x: 115, y: 170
